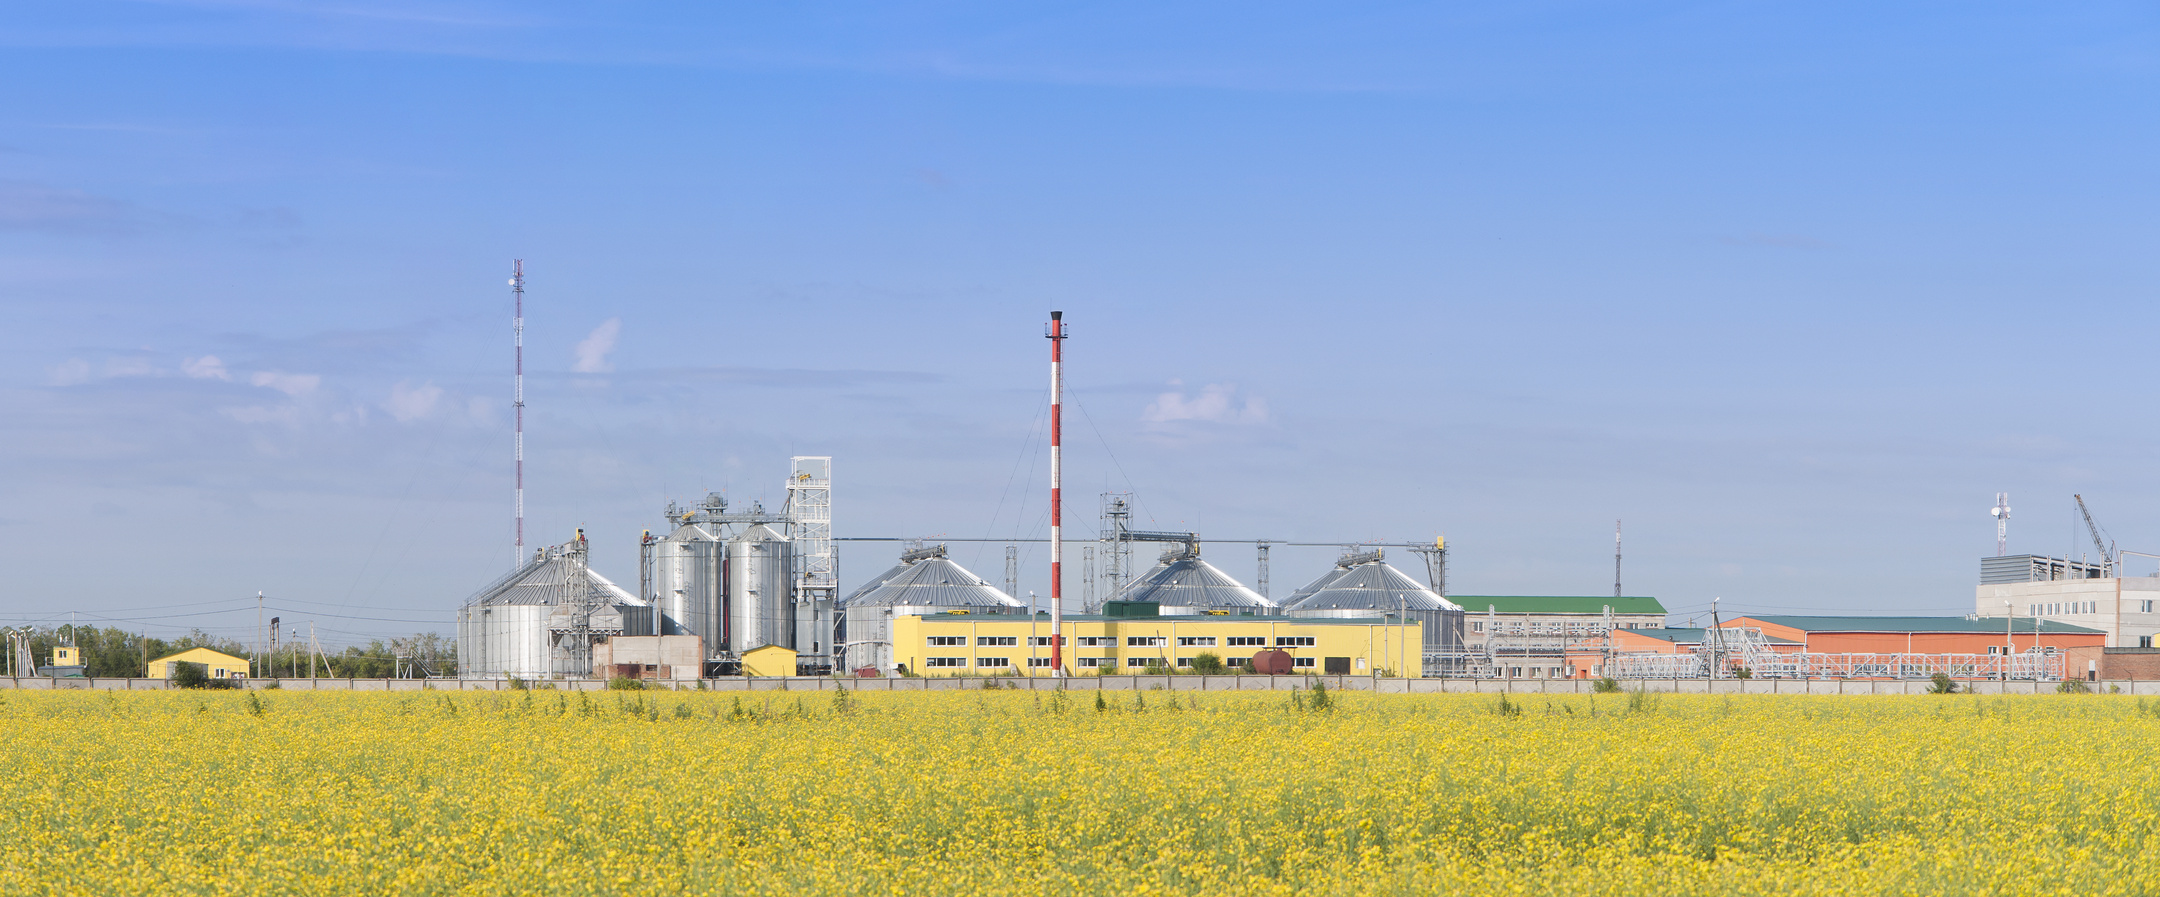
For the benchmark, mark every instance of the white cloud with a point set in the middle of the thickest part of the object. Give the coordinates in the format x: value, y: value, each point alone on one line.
x: 261, y: 414
x: 131, y: 366
x: 1216, y: 403
x: 592, y: 352
x: 208, y: 367
x: 410, y: 403
x: 289, y: 384
x: 69, y: 372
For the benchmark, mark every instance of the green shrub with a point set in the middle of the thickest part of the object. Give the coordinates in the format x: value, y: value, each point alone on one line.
x: 625, y: 683
x: 2072, y: 687
x: 1943, y: 685
x: 1207, y: 664
x: 1606, y: 686
x: 196, y: 675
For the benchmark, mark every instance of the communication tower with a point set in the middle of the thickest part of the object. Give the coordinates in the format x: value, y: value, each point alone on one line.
x: 2002, y: 523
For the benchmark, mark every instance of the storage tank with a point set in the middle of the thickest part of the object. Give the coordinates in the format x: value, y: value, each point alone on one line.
x: 760, y: 590
x: 1183, y: 584
x: 690, y: 578
x: 1365, y: 586
x: 528, y: 623
x: 924, y: 582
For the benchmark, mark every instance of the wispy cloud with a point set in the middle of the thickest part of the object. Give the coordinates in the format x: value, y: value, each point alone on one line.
x: 409, y: 403
x: 32, y: 206
x: 1216, y: 403
x: 208, y: 367
x: 592, y: 352
x: 289, y: 384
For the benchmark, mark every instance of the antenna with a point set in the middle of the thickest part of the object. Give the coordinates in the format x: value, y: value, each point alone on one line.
x: 517, y: 334
x: 1616, y: 559
x: 2002, y: 522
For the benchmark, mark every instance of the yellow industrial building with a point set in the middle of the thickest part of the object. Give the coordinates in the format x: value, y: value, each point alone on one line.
x: 769, y: 660
x: 1134, y: 639
x: 220, y: 665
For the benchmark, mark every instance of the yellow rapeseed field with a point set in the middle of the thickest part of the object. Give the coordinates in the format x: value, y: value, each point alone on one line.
x: 982, y: 792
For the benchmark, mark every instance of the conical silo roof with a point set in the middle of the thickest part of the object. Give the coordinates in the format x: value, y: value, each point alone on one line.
x: 1370, y: 584
x: 871, y: 586
x: 927, y: 578
x: 1184, y: 582
x: 546, y: 580
x: 1297, y: 597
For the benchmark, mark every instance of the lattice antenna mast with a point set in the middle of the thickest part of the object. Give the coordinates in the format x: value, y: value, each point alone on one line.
x: 517, y: 335
x: 2002, y: 523
x: 1616, y: 559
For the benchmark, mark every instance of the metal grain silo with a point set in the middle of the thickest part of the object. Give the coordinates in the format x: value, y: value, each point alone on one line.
x: 1364, y: 586
x: 760, y: 590
x: 690, y: 573
x: 1183, y: 584
x: 925, y: 582
x: 540, y: 621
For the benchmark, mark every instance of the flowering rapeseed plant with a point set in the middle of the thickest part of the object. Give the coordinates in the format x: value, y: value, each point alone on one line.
x: 1014, y: 793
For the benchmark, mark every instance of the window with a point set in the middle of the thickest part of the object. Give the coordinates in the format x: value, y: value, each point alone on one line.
x: 1143, y: 641
x: 1477, y: 627
x: 1237, y: 661
x: 1554, y: 672
x: 1301, y: 662
x: 1091, y: 641
x: 947, y: 641
x: 1038, y: 661
x: 1299, y: 641
x: 2146, y: 608
x: 992, y: 662
x: 1185, y: 662
x: 945, y: 662
x: 1995, y: 649
x: 1248, y: 641
x: 1514, y: 672
x: 2145, y: 641
x: 1004, y: 641
x: 1096, y: 661
x: 1196, y: 641
x: 1138, y: 662
x: 1040, y: 641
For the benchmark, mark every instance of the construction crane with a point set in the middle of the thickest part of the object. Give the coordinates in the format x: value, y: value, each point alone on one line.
x: 2105, y: 547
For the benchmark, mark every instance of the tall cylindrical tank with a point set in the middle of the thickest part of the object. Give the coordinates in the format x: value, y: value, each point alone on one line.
x: 689, y: 581
x: 760, y: 589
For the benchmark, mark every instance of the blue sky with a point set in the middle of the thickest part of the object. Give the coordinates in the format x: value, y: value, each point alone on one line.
x: 1794, y: 289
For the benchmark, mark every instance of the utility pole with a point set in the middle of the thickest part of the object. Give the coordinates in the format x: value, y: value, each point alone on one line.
x: 1716, y: 630
x: 262, y: 634
x: 1616, y: 559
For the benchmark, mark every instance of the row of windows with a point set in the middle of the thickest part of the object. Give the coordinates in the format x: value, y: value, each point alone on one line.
x: 2070, y: 607
x: 1517, y: 628
x: 1092, y: 662
x: 1533, y: 673
x: 1134, y: 641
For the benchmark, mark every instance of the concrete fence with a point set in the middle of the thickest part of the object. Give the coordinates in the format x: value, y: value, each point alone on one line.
x: 1171, y: 683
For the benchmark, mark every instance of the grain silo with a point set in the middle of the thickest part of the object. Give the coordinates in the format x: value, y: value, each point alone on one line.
x: 541, y: 620
x: 924, y: 582
x: 1183, y: 584
x: 1364, y: 585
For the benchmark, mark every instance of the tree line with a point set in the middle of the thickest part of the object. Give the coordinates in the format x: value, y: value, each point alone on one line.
x: 117, y: 653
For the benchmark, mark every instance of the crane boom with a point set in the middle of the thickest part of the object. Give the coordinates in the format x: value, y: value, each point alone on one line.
x: 2107, y: 552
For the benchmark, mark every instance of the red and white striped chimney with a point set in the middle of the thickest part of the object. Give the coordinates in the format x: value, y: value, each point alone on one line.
x: 1057, y: 500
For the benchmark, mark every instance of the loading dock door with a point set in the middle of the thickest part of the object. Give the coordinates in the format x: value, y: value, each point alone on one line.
x: 1338, y: 665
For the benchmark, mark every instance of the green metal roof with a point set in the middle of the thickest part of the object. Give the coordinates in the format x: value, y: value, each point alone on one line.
x: 1556, y: 604
x: 1914, y: 624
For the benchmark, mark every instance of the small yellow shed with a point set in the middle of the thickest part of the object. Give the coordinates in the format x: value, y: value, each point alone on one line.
x: 770, y: 660
x: 219, y: 664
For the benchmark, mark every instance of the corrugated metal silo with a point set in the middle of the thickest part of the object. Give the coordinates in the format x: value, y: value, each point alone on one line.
x: 528, y: 624
x: 760, y: 589
x: 1365, y: 586
x: 1183, y: 584
x: 925, y: 582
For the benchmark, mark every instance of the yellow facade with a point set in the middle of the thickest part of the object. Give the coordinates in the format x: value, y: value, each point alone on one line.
x: 1002, y: 645
x: 220, y: 665
x: 66, y: 656
x: 770, y: 660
